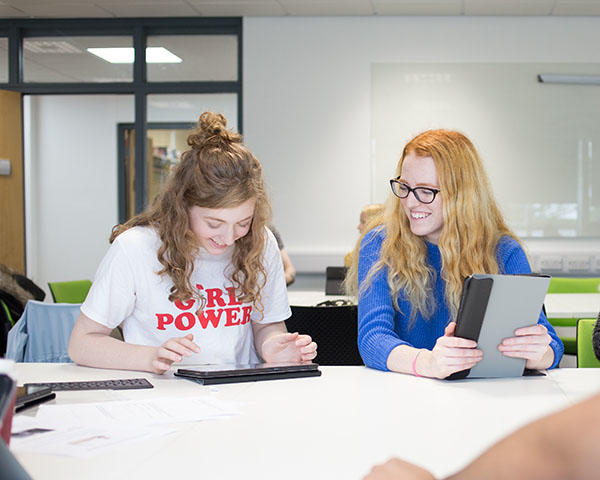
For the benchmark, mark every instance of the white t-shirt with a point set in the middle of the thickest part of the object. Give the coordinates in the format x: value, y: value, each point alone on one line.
x: 128, y: 291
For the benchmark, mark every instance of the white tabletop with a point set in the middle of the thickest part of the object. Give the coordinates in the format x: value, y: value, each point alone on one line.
x: 334, y: 426
x: 310, y: 298
x: 572, y: 305
x: 558, y: 305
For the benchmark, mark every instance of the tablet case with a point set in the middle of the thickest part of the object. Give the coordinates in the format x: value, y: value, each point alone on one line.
x: 492, y: 307
x: 215, y: 374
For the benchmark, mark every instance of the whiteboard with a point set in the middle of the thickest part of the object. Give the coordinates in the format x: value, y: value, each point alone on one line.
x: 540, y: 142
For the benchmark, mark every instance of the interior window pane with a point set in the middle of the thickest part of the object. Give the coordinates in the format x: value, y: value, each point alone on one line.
x: 171, y: 118
x: 3, y: 60
x: 194, y: 58
x: 68, y: 59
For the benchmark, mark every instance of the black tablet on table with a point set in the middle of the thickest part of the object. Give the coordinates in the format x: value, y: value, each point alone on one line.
x: 492, y: 307
x: 214, y: 374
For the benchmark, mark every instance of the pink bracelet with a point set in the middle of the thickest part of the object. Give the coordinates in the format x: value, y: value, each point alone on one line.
x: 414, y: 364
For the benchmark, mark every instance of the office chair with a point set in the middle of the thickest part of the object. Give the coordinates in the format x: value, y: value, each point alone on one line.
x: 571, y: 285
x: 586, y: 357
x: 42, y: 333
x: 334, y: 329
x: 74, y: 291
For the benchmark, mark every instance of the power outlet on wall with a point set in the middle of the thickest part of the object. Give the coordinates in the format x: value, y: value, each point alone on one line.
x: 551, y: 263
x: 578, y: 264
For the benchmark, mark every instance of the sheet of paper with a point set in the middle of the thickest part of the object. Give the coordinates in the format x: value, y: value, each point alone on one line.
x: 135, y: 412
x: 83, y: 441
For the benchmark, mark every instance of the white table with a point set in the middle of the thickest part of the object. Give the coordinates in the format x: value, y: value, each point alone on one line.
x: 572, y: 305
x: 334, y: 426
x: 558, y: 305
x: 310, y: 298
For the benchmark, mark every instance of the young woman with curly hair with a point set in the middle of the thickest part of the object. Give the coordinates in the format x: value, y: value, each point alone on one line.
x: 197, y: 278
x: 440, y: 225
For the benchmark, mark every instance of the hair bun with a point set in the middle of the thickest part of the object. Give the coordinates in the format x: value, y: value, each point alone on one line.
x: 212, y: 123
x: 212, y: 129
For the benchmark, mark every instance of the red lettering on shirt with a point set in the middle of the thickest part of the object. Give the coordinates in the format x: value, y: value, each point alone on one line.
x: 214, y: 297
x: 180, y: 321
x: 246, y: 318
x: 209, y: 315
x: 232, y: 299
x: 163, y: 319
x: 212, y: 316
x: 184, y: 305
x: 232, y: 316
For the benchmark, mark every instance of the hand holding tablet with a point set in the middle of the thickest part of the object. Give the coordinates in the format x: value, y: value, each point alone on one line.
x: 500, y: 313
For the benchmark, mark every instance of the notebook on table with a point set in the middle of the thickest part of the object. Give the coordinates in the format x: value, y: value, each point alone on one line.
x: 214, y: 374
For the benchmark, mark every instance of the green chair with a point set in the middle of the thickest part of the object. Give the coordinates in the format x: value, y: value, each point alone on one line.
x: 574, y: 285
x: 70, y: 292
x: 586, y: 358
x: 571, y: 285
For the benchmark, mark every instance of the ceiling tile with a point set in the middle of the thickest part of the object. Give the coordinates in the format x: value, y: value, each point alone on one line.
x: 424, y: 7
x: 7, y: 11
x: 64, y: 10
x: 237, y: 8
x: 575, y: 7
x: 172, y: 9
x: 330, y: 7
x: 508, y: 7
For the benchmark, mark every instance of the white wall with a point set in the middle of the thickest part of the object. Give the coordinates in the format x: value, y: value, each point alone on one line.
x: 71, y: 193
x: 307, y: 104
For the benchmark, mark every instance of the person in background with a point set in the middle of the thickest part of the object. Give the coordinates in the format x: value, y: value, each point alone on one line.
x: 198, y: 277
x: 534, y: 452
x: 288, y: 266
x: 369, y: 214
x: 441, y: 224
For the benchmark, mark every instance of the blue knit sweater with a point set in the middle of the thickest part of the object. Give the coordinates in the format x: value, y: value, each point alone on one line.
x: 381, y: 328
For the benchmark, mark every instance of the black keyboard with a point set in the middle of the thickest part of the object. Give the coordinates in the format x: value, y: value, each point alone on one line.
x: 122, y: 384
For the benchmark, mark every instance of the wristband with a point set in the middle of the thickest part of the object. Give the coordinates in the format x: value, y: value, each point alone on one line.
x: 414, y: 364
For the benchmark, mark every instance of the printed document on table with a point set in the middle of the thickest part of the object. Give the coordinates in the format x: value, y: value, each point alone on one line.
x: 81, y: 442
x: 135, y: 412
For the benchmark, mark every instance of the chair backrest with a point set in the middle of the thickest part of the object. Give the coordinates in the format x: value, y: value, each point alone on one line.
x: 586, y: 358
x: 574, y: 285
x: 334, y: 280
x: 42, y: 333
x: 70, y: 292
x: 334, y: 329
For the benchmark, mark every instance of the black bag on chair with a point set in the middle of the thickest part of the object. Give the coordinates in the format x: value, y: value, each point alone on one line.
x: 16, y: 289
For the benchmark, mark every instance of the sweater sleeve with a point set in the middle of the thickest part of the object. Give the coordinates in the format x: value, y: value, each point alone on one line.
x: 512, y: 260
x: 376, y: 314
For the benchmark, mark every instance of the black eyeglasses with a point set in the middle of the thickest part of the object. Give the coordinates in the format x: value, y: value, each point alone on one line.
x: 422, y: 194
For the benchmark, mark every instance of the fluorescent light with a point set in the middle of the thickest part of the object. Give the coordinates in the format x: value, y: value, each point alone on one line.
x: 113, y: 55
x: 126, y: 55
x: 569, y: 79
x: 161, y: 55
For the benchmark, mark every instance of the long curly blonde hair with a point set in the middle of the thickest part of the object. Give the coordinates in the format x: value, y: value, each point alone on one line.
x: 217, y: 172
x: 473, y: 226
